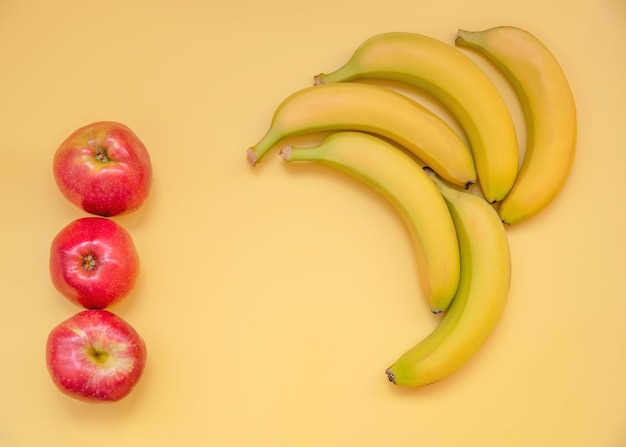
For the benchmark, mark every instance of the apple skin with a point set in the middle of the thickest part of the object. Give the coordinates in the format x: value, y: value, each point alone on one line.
x: 103, y: 168
x: 95, y: 356
x: 93, y: 262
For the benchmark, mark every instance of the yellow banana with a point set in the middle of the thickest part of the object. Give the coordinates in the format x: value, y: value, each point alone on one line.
x: 455, y: 80
x: 373, y: 109
x: 549, y: 109
x: 408, y: 188
x: 480, y: 298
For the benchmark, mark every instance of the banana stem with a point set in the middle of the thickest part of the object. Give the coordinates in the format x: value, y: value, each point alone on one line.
x: 251, y: 156
x: 290, y: 153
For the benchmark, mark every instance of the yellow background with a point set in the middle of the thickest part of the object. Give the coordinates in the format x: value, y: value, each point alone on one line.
x: 272, y: 299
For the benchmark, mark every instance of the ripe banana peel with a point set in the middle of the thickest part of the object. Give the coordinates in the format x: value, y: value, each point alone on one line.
x: 549, y: 109
x: 459, y: 83
x: 409, y: 189
x: 462, y: 249
x: 373, y: 109
x: 479, y: 301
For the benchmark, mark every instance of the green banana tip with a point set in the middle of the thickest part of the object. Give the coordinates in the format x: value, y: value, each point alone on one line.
x: 252, y: 156
x: 390, y: 376
x: 285, y: 153
x: 319, y: 79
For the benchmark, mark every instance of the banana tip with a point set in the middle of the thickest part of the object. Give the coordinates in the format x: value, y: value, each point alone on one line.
x: 285, y: 153
x: 318, y: 80
x: 390, y: 376
x: 251, y: 156
x: 459, y: 35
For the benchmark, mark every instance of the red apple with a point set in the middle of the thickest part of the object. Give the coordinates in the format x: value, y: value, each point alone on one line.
x: 93, y: 262
x: 95, y: 355
x: 103, y: 168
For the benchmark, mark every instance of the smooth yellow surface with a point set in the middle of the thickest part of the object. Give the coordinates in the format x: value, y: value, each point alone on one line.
x: 273, y: 298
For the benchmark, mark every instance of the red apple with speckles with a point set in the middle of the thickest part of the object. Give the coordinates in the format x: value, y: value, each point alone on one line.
x: 95, y: 356
x: 103, y: 168
x: 93, y: 262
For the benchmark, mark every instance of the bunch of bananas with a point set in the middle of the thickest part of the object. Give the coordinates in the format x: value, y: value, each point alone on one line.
x: 425, y: 169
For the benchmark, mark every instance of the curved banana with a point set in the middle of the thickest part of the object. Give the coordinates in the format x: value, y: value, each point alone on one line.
x: 399, y: 179
x: 455, y: 80
x: 479, y: 301
x: 549, y: 109
x: 374, y: 109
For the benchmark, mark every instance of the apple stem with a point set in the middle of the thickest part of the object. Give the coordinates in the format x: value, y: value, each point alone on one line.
x: 101, y: 155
